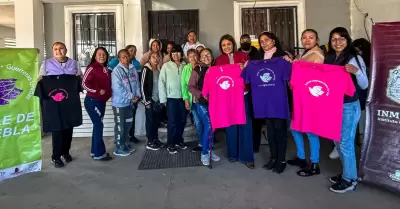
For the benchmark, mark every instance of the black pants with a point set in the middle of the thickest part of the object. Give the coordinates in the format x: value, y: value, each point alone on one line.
x: 277, y: 138
x: 153, y: 117
x: 176, y: 121
x: 257, y: 126
x: 61, y: 143
x: 132, y: 130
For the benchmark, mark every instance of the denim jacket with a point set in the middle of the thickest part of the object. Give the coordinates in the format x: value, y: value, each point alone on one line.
x: 125, y: 85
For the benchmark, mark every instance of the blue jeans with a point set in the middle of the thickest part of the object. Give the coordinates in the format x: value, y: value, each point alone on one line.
x: 96, y: 110
x: 198, y: 122
x: 204, y: 116
x: 239, y: 138
x: 314, y: 145
x: 351, y: 116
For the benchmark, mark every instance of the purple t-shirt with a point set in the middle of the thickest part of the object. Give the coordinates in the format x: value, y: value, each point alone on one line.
x: 268, y: 79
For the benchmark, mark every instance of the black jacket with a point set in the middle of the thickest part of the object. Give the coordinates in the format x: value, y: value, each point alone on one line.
x: 147, y: 85
x: 253, y: 54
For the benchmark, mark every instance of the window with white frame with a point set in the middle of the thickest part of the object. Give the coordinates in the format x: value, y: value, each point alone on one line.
x: 92, y: 30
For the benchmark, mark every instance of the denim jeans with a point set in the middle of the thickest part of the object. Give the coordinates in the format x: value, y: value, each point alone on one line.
x: 314, y: 145
x: 351, y: 116
x: 123, y: 117
x: 96, y: 110
x: 198, y: 122
x: 239, y: 138
x: 208, y: 136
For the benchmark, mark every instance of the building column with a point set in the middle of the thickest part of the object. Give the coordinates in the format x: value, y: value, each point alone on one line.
x: 29, y: 28
x: 135, y: 21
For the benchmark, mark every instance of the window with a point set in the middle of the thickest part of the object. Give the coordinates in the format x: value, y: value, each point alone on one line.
x: 10, y: 43
x: 92, y: 30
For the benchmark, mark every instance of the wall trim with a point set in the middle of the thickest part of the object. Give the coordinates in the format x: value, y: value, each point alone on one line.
x: 69, y: 10
x: 301, y: 13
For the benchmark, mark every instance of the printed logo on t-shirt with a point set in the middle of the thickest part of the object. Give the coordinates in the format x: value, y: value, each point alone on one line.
x: 8, y: 91
x: 266, y: 75
x: 58, y: 95
x: 317, y: 88
x: 225, y: 82
x: 393, y: 85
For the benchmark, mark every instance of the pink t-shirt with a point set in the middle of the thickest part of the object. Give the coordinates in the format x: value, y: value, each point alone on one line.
x: 318, y: 94
x: 224, y: 89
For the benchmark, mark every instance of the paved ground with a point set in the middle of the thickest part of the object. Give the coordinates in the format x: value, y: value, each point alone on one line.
x: 88, y: 184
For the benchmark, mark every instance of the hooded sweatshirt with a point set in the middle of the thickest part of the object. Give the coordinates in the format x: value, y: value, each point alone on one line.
x: 97, y: 78
x: 125, y: 85
x: 146, y: 56
x: 169, y: 83
x: 186, y: 95
x: 149, y: 87
x: 186, y: 46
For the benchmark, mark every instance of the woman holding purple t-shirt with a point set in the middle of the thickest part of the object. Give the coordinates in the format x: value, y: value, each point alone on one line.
x: 276, y: 127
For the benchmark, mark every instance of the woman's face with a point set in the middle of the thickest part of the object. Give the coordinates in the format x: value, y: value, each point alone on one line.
x: 132, y: 52
x: 176, y: 56
x: 154, y: 59
x: 227, y: 46
x: 101, y: 56
x: 169, y: 48
x: 266, y: 43
x: 339, y: 43
x: 309, y: 40
x: 59, y: 51
x: 192, y: 38
x: 124, y: 58
x: 155, y: 47
x: 205, y: 57
x: 192, y: 57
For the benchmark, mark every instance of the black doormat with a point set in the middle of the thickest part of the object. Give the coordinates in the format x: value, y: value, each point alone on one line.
x: 161, y: 159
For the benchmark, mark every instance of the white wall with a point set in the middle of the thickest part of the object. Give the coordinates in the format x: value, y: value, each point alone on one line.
x: 378, y: 10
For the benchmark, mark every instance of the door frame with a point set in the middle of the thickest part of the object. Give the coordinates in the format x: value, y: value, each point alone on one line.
x: 299, y: 4
x: 69, y: 10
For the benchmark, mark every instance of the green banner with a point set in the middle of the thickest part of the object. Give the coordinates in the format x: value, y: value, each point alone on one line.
x: 20, y: 132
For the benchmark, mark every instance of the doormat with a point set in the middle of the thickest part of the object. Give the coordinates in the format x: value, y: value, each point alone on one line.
x: 161, y: 159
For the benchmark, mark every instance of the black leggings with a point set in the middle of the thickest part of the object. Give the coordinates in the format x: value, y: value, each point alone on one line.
x: 277, y: 138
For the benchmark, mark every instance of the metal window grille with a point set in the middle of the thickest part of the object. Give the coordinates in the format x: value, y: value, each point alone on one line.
x: 92, y: 30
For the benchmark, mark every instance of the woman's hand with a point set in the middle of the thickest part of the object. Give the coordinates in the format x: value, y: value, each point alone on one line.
x: 102, y: 92
x: 287, y: 58
x: 351, y: 68
x: 39, y: 78
x: 135, y: 100
x: 148, y: 106
x: 187, y: 105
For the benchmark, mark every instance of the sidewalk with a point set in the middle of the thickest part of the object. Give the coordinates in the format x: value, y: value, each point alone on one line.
x: 88, y: 184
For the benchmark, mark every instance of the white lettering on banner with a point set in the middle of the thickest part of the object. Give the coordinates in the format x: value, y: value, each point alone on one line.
x: 32, y: 83
x: 16, y: 130
x: 388, y: 116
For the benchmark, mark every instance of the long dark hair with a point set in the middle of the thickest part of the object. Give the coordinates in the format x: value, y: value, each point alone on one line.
x: 94, y: 56
x: 279, y: 50
x: 229, y: 38
x: 365, y: 47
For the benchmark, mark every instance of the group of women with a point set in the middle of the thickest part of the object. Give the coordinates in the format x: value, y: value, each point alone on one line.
x: 173, y: 80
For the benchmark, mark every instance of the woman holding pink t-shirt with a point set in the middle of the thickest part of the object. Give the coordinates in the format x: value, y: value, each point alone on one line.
x: 343, y: 53
x: 312, y: 53
x: 237, y: 135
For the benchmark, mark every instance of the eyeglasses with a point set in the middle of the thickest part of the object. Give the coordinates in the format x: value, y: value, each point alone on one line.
x: 176, y: 53
x: 206, y: 56
x: 341, y: 40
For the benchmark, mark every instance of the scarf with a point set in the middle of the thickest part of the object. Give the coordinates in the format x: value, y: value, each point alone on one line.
x: 268, y: 54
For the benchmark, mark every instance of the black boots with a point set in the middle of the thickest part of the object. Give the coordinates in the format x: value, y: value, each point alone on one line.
x: 311, y: 171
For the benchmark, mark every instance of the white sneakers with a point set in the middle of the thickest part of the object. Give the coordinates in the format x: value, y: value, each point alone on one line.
x: 205, y: 159
x: 334, y: 154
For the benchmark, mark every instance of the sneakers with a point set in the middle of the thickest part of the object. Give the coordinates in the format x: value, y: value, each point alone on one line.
x: 205, y: 159
x: 67, y: 158
x: 106, y: 158
x: 159, y: 143
x: 129, y: 148
x: 172, y: 150
x: 334, y: 154
x: 152, y: 146
x: 279, y: 167
x: 181, y: 145
x: 57, y: 163
x: 343, y: 186
x: 336, y: 179
x: 121, y: 153
x: 197, y: 149
x: 214, y: 157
